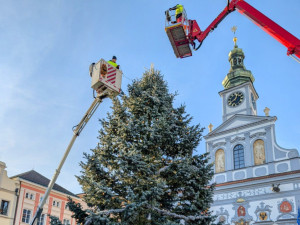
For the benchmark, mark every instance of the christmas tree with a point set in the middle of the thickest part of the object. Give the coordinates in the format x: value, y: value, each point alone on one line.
x: 144, y: 169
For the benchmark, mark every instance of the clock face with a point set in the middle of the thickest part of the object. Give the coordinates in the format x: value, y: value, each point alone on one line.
x: 235, y: 99
x: 253, y: 101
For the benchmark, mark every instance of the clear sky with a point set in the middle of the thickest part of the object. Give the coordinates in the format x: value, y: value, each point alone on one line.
x: 46, y: 48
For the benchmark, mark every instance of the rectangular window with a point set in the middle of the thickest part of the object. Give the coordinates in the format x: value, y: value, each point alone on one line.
x: 31, y: 196
x: 54, y: 203
x: 27, y: 195
x: 66, y: 222
x: 26, y: 215
x: 57, y: 204
x: 238, y: 155
x: 4, y: 207
x: 41, y: 220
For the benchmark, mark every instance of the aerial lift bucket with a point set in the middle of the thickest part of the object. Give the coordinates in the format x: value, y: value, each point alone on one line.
x: 177, y: 33
x: 105, y: 78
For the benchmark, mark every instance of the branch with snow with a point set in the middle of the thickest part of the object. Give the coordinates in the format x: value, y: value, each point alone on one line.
x: 160, y: 211
x: 178, y: 216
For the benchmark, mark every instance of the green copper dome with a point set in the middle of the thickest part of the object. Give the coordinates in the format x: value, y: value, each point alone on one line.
x: 237, y: 74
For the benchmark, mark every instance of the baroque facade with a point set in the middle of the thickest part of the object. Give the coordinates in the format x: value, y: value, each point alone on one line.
x: 21, y: 194
x: 257, y: 181
x: 32, y: 188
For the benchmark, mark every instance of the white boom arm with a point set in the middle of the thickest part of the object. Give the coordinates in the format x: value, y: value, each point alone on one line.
x: 77, y: 132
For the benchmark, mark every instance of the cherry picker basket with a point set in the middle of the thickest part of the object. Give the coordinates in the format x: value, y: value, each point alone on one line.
x: 106, y: 78
x: 177, y: 31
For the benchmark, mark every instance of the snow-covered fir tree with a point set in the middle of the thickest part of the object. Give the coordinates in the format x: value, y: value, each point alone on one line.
x: 144, y: 169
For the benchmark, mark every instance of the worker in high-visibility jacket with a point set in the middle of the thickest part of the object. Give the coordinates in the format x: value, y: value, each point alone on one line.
x: 178, y: 12
x: 113, y: 62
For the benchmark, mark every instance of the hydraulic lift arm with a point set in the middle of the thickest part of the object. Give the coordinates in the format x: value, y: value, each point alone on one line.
x: 77, y: 132
x: 280, y: 34
x: 107, y: 83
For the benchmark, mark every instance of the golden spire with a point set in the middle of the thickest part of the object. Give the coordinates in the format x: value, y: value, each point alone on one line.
x: 234, y: 40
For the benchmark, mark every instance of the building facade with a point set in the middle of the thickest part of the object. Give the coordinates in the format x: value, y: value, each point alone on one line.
x: 257, y: 181
x: 32, y: 188
x: 8, y: 197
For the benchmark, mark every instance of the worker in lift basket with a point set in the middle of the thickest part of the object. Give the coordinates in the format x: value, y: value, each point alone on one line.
x: 178, y: 12
x: 113, y: 62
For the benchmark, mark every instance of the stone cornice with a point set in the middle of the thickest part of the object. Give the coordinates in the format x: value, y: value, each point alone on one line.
x: 212, y: 134
x: 258, y: 178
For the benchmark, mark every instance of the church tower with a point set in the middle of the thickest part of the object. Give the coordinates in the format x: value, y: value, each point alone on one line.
x: 239, y: 96
x: 257, y: 181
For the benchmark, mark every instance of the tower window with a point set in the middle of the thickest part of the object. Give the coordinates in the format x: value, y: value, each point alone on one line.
x: 239, y: 60
x: 238, y: 156
x: 234, y: 61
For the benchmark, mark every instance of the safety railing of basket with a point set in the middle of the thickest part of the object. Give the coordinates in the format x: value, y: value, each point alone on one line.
x: 171, y: 20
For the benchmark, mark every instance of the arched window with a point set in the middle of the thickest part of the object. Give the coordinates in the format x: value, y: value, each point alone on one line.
x: 259, y: 152
x: 220, y: 161
x: 238, y: 156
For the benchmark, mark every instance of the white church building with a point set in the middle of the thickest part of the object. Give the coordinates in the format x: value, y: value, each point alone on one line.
x: 257, y: 181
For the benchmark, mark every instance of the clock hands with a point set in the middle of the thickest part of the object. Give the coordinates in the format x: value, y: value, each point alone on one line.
x: 235, y: 99
x: 235, y: 96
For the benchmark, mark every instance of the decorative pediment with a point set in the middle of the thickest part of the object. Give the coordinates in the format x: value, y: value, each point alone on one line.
x: 222, y: 216
x: 239, y: 121
x: 263, y: 212
x: 241, y: 207
x: 218, y: 144
x: 237, y: 138
x: 286, y: 209
x: 258, y: 134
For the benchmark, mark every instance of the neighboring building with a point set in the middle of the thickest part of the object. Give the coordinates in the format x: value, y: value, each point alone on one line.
x: 8, y: 197
x: 257, y: 181
x: 32, y: 188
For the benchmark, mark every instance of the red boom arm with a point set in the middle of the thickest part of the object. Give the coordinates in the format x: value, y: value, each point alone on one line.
x: 284, y: 37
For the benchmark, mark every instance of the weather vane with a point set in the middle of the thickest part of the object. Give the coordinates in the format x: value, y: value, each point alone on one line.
x: 233, y: 29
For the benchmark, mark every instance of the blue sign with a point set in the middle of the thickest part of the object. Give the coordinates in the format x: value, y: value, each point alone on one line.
x: 298, y: 218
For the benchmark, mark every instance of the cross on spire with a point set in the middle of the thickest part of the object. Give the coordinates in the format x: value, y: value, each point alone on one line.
x: 233, y: 29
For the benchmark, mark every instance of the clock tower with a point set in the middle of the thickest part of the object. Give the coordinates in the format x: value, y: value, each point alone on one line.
x: 257, y: 181
x: 239, y: 95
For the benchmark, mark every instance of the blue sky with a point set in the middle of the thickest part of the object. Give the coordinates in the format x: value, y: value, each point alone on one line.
x: 46, y: 48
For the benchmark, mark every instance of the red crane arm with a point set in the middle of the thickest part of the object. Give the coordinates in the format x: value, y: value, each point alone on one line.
x: 272, y: 28
x: 201, y: 35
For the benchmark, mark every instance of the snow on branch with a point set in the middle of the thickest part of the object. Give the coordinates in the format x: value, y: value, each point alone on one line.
x: 161, y: 211
x: 177, y: 216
